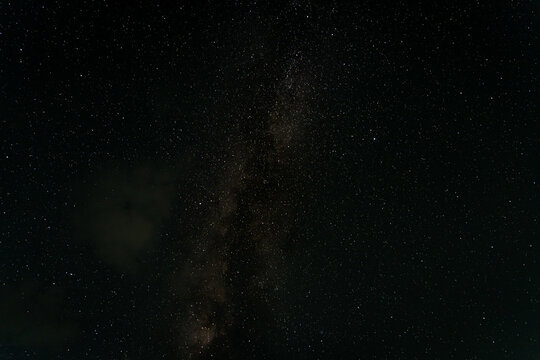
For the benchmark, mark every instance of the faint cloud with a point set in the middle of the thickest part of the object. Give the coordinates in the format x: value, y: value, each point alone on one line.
x: 34, y: 316
x: 125, y: 212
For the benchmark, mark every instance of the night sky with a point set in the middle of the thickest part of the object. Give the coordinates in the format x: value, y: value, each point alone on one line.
x: 284, y: 180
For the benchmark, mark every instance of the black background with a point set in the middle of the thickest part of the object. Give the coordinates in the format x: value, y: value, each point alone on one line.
x: 393, y: 150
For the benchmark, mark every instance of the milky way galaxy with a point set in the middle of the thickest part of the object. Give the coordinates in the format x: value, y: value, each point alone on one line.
x: 236, y: 254
x: 261, y: 180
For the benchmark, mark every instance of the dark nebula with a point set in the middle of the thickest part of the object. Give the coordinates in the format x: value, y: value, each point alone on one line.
x: 252, y: 180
